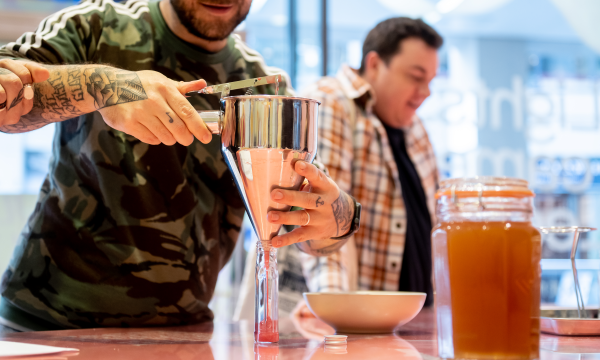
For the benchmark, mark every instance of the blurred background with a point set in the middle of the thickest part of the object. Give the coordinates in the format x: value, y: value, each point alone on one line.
x: 517, y: 94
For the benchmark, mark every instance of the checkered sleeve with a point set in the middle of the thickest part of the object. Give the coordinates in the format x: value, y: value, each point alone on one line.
x: 330, y: 273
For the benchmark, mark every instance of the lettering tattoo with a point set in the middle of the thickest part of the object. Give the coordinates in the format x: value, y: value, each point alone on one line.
x: 110, y: 86
x: 17, y: 100
x: 170, y: 118
x: 58, y: 103
x: 319, y: 202
x: 342, y: 212
x: 74, y: 81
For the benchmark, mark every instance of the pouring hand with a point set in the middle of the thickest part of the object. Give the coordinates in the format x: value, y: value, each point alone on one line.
x: 163, y: 116
x: 328, y: 212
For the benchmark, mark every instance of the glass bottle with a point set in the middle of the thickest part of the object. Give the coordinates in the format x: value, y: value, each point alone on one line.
x: 487, y: 271
x: 266, y: 329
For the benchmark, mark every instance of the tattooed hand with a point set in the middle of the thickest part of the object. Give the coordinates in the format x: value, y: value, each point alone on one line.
x: 164, y: 116
x: 14, y: 100
x: 328, y: 213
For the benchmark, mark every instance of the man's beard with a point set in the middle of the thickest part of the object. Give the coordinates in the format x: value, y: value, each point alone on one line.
x: 186, y: 12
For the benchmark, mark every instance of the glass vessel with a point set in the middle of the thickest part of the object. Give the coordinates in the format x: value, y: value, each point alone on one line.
x: 266, y: 329
x: 486, y: 270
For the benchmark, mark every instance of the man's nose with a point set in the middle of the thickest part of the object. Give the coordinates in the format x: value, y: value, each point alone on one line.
x: 424, y: 90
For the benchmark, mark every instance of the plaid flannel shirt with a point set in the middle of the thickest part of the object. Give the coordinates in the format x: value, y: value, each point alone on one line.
x: 354, y: 147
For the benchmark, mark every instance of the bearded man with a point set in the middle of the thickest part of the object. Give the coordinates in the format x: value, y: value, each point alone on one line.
x: 138, y: 212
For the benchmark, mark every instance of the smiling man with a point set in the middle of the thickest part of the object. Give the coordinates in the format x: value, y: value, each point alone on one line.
x: 138, y: 212
x: 376, y: 149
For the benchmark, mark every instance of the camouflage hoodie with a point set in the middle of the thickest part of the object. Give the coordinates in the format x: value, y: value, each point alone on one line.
x: 124, y: 233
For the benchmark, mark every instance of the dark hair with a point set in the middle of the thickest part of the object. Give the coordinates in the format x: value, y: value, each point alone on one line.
x: 386, y: 37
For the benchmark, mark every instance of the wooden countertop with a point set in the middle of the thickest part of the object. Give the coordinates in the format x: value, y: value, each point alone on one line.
x: 416, y: 340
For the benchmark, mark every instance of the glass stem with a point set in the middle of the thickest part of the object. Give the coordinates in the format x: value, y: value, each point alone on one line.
x: 266, y: 317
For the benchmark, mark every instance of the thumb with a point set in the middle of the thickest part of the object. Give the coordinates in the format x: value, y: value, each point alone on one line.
x: 38, y: 72
x: 186, y: 87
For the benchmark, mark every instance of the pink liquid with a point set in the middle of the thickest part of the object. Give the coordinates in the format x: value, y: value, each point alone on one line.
x: 266, y: 331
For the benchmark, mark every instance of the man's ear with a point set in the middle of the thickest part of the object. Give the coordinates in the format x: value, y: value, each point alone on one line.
x: 372, y: 64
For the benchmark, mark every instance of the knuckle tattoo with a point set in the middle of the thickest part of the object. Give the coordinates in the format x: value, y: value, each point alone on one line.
x: 170, y: 118
x: 319, y: 202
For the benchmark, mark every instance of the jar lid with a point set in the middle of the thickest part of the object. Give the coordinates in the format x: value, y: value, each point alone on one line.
x: 484, y: 186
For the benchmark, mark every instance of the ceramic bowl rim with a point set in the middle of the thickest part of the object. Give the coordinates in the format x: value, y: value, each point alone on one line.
x: 367, y: 292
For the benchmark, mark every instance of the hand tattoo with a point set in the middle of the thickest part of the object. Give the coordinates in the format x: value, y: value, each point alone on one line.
x: 319, y: 202
x: 17, y: 100
x: 342, y: 211
x: 110, y: 86
x: 170, y: 118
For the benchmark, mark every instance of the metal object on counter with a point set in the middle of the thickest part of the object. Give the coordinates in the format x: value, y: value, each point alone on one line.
x: 582, y: 324
x: 336, y: 339
x: 335, y: 344
x: 225, y: 88
x: 570, y: 326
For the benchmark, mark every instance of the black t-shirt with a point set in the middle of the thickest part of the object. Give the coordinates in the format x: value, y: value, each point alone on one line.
x: 415, y: 274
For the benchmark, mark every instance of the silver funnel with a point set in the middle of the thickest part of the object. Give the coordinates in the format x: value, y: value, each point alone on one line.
x: 262, y: 137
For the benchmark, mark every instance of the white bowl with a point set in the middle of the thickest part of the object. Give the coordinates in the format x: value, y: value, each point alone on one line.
x: 367, y: 312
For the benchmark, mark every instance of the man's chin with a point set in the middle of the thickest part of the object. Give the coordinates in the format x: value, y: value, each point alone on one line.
x: 407, y: 119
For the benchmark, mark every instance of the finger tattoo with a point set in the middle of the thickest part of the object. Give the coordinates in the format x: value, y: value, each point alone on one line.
x: 320, y: 202
x: 17, y: 100
x: 170, y: 118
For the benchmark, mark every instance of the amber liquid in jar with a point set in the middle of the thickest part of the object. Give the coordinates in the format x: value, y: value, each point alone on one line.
x: 493, y: 271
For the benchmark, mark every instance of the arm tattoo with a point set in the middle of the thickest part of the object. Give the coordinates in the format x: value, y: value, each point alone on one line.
x: 58, y: 103
x: 343, y: 213
x: 320, y: 202
x: 74, y: 81
x: 69, y: 88
x: 110, y: 86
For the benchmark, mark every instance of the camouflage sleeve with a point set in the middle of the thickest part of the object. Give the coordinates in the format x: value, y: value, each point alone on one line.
x: 70, y: 36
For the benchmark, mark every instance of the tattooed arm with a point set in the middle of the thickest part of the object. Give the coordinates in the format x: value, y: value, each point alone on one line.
x: 74, y: 90
x: 144, y: 104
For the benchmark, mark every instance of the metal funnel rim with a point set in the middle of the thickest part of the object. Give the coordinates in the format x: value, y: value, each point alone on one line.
x: 271, y: 97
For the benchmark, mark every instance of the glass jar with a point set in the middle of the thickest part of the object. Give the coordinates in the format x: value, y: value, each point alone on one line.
x: 487, y: 269
x: 266, y: 329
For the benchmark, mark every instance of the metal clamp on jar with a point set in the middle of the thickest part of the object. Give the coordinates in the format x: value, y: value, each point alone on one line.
x: 587, y: 322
